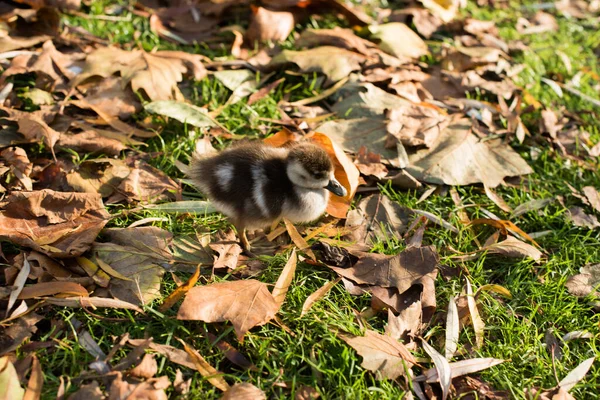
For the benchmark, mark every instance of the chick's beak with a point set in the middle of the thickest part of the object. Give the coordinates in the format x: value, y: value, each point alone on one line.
x: 336, y: 188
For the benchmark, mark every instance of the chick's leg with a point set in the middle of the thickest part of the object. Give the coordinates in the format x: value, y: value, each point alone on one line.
x: 245, y: 243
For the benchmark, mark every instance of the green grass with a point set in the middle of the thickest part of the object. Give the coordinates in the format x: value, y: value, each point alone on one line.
x: 314, y: 356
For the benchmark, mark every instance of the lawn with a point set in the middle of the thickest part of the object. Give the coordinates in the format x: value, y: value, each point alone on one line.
x: 294, y: 352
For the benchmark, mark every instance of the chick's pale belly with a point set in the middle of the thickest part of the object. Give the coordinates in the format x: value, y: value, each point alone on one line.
x: 311, y: 206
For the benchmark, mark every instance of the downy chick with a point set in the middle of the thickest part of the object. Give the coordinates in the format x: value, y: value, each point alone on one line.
x: 255, y: 184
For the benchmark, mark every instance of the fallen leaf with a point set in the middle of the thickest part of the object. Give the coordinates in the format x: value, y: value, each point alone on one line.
x: 54, y: 223
x: 180, y: 292
x: 369, y: 164
x: 145, y: 183
x: 442, y: 367
x: 386, y: 357
x: 345, y: 172
x: 452, y: 329
x: 459, y: 158
x: 90, y: 391
x: 174, y: 355
x: 245, y: 303
x: 91, y: 141
x: 111, y: 97
x: 478, y: 324
x: 318, y: 295
x: 376, y: 218
x: 354, y: 134
x: 52, y: 64
x: 365, y: 100
x: 228, y: 250
x: 531, y: 205
x: 151, y: 389
x: 285, y: 279
x: 9, y: 381
x: 446, y: 10
x: 333, y: 62
x: 100, y: 175
x: 241, y: 82
x: 416, y: 125
x: 32, y: 127
x: 269, y: 26
x: 51, y: 288
x: 156, y: 73
x: 145, y: 369
x: 579, y: 218
x: 399, y: 40
x: 244, y: 391
x: 407, y: 325
x: 593, y: 197
x: 36, y: 381
x: 337, y: 37
x: 584, y: 283
x: 182, y: 112
x: 205, y: 369
x: 400, y: 271
x: 460, y: 368
x: 92, y: 302
x: 135, y: 253
x: 18, y: 285
x: 569, y: 381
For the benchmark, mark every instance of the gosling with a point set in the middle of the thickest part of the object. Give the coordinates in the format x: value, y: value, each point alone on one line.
x: 255, y: 184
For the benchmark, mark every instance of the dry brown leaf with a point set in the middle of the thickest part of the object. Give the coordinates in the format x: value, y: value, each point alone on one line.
x: 337, y: 37
x: 10, y: 388
x: 111, y: 97
x: 514, y: 248
x: 376, y: 217
x: 151, y: 389
x: 146, y: 369
x: 32, y: 127
x: 51, y: 288
x: 495, y: 197
x: 101, y: 175
x: 156, y: 73
x: 181, y: 291
x: 54, y: 223
x: 285, y: 279
x: 416, y: 125
x: 400, y: 271
x: 91, y: 142
x: 318, y: 295
x: 579, y: 218
x: 593, y: 196
x: 345, y: 172
x: 135, y: 253
x: 20, y: 166
x: 205, y: 369
x: 244, y: 391
x: 228, y: 250
x: 399, y: 40
x: 458, y: 157
x: 52, y: 64
x: 245, y: 303
x: 407, y: 324
x: 386, y: 357
x: 90, y: 391
x: 43, y: 25
x: 92, y: 302
x: 584, y: 283
x: 269, y: 26
x: 146, y: 184
x: 369, y: 164
x: 504, y: 226
x: 335, y: 63
x: 36, y: 381
x: 175, y: 355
